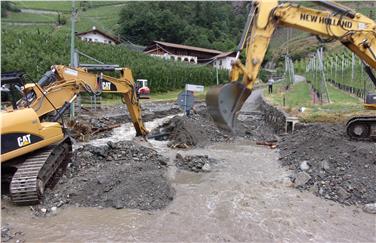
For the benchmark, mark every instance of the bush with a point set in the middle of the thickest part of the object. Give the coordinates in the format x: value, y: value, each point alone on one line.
x: 34, y: 52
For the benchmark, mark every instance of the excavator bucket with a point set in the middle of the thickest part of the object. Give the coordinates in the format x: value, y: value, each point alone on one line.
x: 224, y: 103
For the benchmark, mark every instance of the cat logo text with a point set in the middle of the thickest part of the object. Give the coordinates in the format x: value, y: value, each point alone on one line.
x: 24, y: 140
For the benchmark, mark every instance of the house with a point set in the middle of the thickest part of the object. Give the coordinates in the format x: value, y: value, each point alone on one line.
x: 224, y: 60
x: 182, y: 53
x: 95, y: 35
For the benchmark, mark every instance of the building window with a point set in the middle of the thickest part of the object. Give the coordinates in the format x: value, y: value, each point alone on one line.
x: 90, y: 40
x: 220, y: 62
x: 110, y: 42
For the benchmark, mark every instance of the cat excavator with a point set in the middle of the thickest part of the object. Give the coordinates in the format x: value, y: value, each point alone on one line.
x: 337, y: 22
x: 35, y: 147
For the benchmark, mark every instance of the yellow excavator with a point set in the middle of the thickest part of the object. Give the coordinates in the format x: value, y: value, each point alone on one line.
x: 354, y: 30
x: 34, y: 145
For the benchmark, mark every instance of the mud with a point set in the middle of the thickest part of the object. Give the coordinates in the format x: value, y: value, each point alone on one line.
x: 93, y: 124
x: 9, y: 234
x: 330, y: 165
x: 200, y: 130
x: 197, y: 163
x: 118, y: 175
x: 246, y: 197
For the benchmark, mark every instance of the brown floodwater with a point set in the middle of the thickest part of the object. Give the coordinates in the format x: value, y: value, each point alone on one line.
x: 246, y: 197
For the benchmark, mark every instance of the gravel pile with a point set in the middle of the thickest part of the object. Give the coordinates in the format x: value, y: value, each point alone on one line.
x: 185, y: 132
x: 199, y: 129
x: 196, y: 163
x: 328, y: 163
x: 119, y: 175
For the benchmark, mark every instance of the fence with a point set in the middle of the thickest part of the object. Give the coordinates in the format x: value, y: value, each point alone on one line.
x: 343, y: 70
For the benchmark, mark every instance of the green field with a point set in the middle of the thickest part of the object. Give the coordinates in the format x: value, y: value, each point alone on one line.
x: 30, y: 17
x: 45, y: 5
x: 342, y: 105
x: 102, y: 14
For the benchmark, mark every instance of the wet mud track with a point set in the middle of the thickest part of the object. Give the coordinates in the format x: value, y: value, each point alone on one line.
x: 246, y: 196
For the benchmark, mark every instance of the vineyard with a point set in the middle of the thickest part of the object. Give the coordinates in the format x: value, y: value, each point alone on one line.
x: 35, y: 51
x: 344, y: 70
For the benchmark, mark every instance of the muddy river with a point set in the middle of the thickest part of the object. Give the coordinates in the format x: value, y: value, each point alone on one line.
x: 247, y: 196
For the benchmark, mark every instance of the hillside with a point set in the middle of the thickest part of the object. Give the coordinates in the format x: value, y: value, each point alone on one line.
x: 206, y: 24
x: 35, y: 51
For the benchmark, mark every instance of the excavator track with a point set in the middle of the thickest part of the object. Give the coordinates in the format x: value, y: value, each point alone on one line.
x: 362, y: 128
x: 28, y: 183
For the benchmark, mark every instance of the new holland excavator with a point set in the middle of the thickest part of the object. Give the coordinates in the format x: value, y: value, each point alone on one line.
x: 354, y: 30
x: 34, y: 145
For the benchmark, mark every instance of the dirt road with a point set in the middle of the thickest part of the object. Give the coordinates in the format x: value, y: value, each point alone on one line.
x: 247, y: 196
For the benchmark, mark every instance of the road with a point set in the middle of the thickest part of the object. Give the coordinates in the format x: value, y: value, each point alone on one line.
x: 246, y: 197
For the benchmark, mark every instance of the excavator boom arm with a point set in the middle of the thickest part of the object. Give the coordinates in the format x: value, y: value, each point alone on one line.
x: 72, y: 81
x: 354, y: 30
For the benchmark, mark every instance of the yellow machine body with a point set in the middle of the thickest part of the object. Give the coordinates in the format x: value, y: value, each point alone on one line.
x: 22, y: 132
x: 354, y: 30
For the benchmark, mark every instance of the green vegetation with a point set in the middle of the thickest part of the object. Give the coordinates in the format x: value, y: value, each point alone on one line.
x: 46, y: 5
x: 7, y: 7
x: 205, y: 24
x: 341, y: 108
x: 30, y: 17
x: 35, y: 51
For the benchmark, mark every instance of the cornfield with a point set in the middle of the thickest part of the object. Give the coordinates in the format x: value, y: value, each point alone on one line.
x: 35, y: 51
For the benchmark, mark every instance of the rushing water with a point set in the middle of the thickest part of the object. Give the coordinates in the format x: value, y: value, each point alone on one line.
x: 246, y: 197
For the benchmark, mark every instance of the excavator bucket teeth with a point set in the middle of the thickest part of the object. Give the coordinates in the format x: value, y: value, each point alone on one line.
x: 224, y: 102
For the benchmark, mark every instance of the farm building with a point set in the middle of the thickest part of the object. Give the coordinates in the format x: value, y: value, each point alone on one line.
x: 182, y: 53
x: 95, y: 35
x: 224, y: 60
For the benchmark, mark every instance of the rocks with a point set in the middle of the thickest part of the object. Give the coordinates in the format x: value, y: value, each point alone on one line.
x: 341, y: 170
x: 304, y: 165
x: 301, y: 179
x: 92, y: 124
x: 7, y: 234
x: 197, y: 163
x: 370, y: 208
x: 325, y: 165
x: 200, y: 130
x: 119, y: 175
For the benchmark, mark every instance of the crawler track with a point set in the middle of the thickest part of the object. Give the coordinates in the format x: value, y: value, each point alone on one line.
x: 362, y: 128
x: 28, y: 183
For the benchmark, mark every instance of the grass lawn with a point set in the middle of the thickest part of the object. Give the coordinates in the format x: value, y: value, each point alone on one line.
x: 342, y: 106
x: 29, y: 17
x: 45, y: 5
x: 103, y: 15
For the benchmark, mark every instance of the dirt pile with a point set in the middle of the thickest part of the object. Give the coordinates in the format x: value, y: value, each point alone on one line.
x: 185, y: 132
x: 196, y: 163
x: 329, y: 164
x: 199, y: 129
x: 252, y: 126
x: 119, y: 175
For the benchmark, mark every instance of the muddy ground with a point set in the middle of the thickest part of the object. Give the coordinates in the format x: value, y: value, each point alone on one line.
x: 199, y: 129
x: 326, y: 162
x: 220, y: 187
x: 92, y: 124
x: 118, y: 175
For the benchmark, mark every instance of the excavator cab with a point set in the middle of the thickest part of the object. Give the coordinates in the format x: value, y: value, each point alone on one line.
x: 11, y: 83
